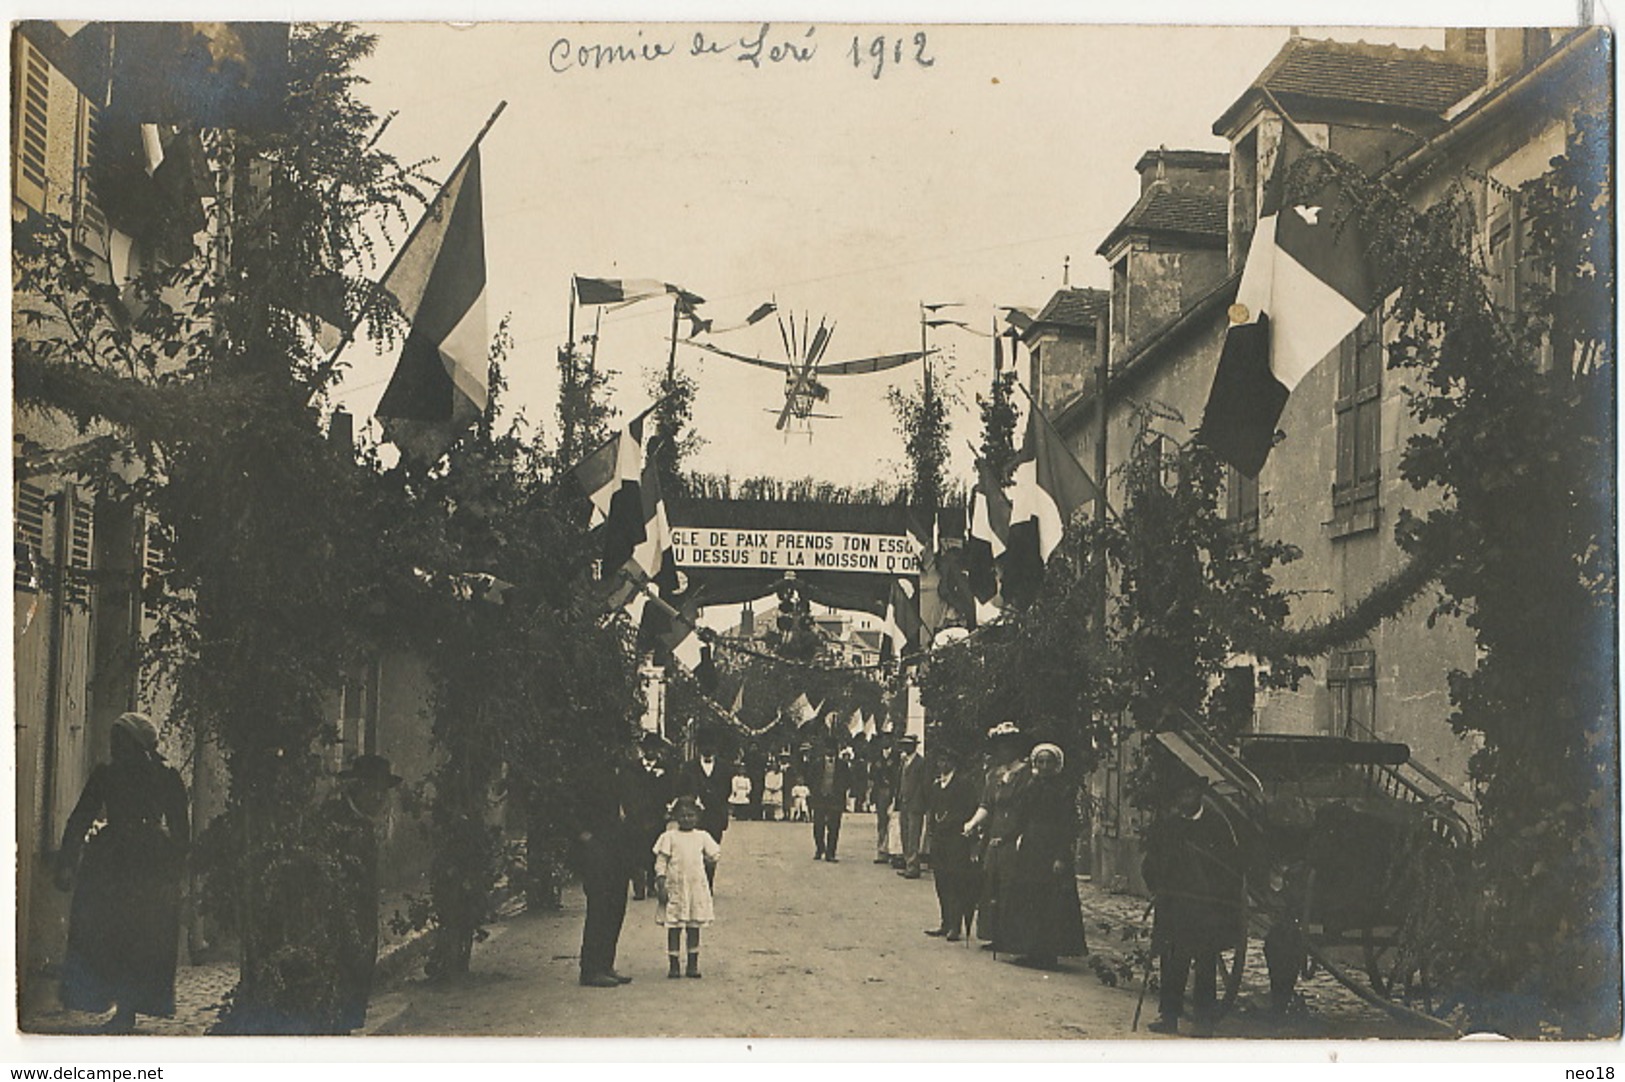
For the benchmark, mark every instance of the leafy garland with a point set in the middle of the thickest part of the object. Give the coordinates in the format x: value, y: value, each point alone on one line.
x: 1386, y: 600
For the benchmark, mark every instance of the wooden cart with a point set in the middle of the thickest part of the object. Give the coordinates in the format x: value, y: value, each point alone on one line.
x: 1349, y: 854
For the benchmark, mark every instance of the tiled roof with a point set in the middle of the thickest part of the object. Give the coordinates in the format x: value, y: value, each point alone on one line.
x: 1166, y: 209
x: 1423, y: 80
x: 1079, y: 307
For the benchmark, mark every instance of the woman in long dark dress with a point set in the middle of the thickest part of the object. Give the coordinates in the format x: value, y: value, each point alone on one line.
x: 1043, y: 918
x: 997, y: 814
x: 122, y: 855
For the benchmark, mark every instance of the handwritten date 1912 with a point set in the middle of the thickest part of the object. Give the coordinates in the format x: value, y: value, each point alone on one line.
x: 874, y: 53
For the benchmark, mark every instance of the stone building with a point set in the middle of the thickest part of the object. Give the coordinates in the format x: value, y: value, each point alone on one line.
x: 1487, y: 112
x: 1064, y: 341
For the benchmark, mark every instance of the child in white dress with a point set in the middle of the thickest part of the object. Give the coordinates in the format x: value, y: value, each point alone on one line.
x: 682, y: 857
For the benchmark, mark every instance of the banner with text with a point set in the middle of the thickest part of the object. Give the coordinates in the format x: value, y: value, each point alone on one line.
x: 793, y: 550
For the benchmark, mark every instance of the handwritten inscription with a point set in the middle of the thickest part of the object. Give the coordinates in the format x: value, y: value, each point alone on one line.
x: 872, y: 55
x: 766, y: 47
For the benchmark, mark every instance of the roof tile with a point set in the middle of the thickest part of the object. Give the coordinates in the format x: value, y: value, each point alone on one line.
x: 1075, y: 307
x: 1422, y: 79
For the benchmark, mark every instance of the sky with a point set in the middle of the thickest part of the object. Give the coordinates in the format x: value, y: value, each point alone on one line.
x: 987, y: 176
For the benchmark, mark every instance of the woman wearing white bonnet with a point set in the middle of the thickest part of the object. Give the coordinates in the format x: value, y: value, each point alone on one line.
x: 140, y: 728
x: 1043, y: 920
x: 124, y: 922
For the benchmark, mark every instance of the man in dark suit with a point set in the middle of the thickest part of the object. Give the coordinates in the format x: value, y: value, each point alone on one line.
x: 953, y: 800
x: 648, y: 788
x: 605, y: 861
x: 829, y: 778
x: 882, y: 798
x: 709, y: 780
x: 913, y: 789
x: 1192, y: 868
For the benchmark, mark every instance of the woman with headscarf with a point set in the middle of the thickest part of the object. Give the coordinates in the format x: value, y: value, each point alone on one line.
x: 122, y: 856
x: 996, y: 816
x: 1043, y: 921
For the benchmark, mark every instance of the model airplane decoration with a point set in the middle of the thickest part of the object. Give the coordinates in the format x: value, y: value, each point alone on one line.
x: 803, y: 386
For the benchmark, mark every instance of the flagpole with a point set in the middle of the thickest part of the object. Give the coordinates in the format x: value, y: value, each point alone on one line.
x: 1102, y: 376
x: 597, y: 329
x: 349, y: 334
x: 671, y: 357
x: 570, y: 337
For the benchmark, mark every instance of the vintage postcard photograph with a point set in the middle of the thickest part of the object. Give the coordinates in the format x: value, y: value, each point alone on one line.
x: 907, y: 531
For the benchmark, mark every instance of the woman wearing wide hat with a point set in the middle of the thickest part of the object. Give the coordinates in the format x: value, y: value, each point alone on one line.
x: 997, y: 817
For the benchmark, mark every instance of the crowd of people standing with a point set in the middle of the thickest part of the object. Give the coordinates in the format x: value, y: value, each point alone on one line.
x: 996, y: 829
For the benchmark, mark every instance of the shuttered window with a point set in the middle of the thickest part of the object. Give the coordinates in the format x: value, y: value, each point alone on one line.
x: 1241, y: 499
x: 1359, y: 426
x: 1351, y: 677
x: 31, y: 98
x: 1513, y: 269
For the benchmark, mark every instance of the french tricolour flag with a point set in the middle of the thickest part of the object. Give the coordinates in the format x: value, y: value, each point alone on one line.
x: 1306, y: 286
x: 439, y: 385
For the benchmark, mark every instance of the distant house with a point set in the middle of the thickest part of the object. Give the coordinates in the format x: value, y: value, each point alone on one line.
x: 1064, y: 341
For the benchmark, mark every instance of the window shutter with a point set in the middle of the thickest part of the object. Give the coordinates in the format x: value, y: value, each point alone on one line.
x: 154, y: 566
x: 1359, y: 417
x: 77, y: 587
x: 1503, y: 254
x: 89, y: 224
x: 28, y: 537
x: 31, y: 91
x: 1368, y: 406
x: 1343, y: 482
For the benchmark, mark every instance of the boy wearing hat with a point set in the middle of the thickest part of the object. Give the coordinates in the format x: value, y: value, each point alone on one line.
x: 364, y: 790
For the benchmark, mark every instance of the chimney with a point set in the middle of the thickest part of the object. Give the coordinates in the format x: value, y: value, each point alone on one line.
x: 341, y: 429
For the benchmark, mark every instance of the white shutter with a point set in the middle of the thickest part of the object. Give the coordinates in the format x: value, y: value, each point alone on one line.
x: 31, y: 90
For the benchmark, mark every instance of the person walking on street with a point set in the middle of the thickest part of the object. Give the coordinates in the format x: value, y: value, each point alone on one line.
x: 606, y: 861
x: 997, y: 816
x: 684, y: 859
x: 1045, y: 921
x: 1192, y: 868
x: 913, y: 789
x: 124, y: 920
x: 952, y: 801
x: 830, y: 779
x: 881, y: 797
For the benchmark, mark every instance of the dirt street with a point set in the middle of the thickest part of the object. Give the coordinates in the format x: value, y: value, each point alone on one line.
x: 801, y: 948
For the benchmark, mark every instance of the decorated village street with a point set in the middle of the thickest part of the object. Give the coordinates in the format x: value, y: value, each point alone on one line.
x: 805, y: 949
x: 420, y: 520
